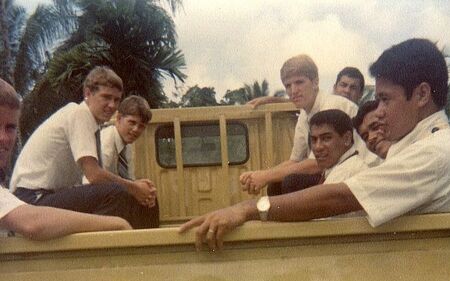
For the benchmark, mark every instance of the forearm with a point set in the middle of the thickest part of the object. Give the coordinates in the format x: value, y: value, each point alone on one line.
x: 100, y: 176
x: 316, y: 202
x: 42, y: 223
x: 279, y: 172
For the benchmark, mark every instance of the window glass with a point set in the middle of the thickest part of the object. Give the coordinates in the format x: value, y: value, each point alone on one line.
x: 201, y: 144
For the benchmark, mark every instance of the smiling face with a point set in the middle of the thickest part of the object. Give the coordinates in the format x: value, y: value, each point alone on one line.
x: 398, y: 114
x: 301, y: 90
x: 327, y: 145
x: 103, y: 102
x: 372, y: 131
x: 9, y: 120
x: 130, y: 127
x: 349, y: 88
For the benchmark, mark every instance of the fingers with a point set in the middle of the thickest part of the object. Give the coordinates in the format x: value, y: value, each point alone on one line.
x: 244, y: 177
x: 211, y: 237
x: 190, y: 224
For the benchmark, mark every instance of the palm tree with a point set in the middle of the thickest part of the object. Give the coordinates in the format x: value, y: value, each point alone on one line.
x: 196, y: 96
x: 136, y: 38
x: 12, y: 20
x: 246, y: 93
x: 257, y: 90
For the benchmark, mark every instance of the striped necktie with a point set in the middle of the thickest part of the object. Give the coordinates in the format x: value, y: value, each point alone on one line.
x: 122, y: 164
x: 99, y: 148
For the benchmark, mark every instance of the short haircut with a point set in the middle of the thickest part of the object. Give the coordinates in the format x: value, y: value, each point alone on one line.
x: 135, y: 105
x: 102, y: 76
x: 351, y: 72
x: 8, y: 96
x: 363, y: 110
x: 299, y: 65
x: 335, y: 118
x: 412, y: 62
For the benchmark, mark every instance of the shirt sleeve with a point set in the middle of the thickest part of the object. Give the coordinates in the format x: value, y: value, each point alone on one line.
x: 300, y: 146
x: 8, y: 202
x: 80, y: 132
x: 401, y: 184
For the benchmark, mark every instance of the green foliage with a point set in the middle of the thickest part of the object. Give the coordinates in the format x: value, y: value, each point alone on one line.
x: 196, y: 96
x: 136, y: 38
x: 12, y: 21
x: 257, y: 90
x: 246, y: 93
x: 235, y: 97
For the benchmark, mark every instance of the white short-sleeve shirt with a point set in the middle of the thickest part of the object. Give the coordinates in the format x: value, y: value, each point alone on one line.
x: 300, y: 149
x: 49, y: 158
x: 348, y: 165
x: 8, y: 202
x: 413, y: 179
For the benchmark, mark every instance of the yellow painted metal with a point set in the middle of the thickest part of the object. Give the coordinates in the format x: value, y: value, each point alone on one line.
x: 180, y: 169
x: 269, y: 139
x: 409, y: 248
x: 226, y: 198
x: 185, y: 192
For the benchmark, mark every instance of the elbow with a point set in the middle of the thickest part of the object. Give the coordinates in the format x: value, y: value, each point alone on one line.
x: 32, y: 230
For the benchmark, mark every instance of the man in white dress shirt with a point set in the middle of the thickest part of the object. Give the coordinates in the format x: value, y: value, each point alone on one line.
x: 133, y: 115
x: 49, y: 169
x: 412, y: 86
x: 32, y: 221
x: 331, y: 135
x: 371, y: 129
x: 300, y: 77
x: 331, y: 141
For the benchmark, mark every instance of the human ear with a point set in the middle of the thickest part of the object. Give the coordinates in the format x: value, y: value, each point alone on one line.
x: 422, y: 93
x: 348, y: 137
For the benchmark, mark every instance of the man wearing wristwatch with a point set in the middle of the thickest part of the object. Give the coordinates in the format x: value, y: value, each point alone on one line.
x: 412, y: 86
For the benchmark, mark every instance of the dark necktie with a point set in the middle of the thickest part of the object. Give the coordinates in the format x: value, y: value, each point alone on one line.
x: 99, y: 148
x: 122, y: 164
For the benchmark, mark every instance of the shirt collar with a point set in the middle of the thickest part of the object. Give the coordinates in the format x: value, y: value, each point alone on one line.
x: 317, y: 105
x: 84, y: 106
x: 118, y: 140
x: 422, y: 130
x: 349, y: 153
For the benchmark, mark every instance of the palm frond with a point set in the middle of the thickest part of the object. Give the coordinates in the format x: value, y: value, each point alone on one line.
x: 48, y: 24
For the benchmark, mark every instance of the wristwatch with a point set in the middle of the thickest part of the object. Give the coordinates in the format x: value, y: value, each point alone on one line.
x: 263, y: 206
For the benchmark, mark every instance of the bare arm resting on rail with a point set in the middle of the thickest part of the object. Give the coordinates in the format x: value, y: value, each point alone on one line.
x: 41, y: 223
x: 315, y: 202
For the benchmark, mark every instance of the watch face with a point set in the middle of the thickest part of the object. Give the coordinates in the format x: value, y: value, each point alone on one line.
x: 263, y: 204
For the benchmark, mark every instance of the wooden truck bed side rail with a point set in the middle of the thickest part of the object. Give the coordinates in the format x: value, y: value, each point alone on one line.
x: 409, y: 248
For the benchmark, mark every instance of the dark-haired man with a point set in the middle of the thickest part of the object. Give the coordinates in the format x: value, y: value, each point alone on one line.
x: 412, y: 86
x: 349, y: 84
x: 331, y: 135
x: 300, y: 77
x: 371, y: 129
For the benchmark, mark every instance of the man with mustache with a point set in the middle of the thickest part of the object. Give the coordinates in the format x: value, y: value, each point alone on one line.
x: 411, y: 86
x: 371, y: 129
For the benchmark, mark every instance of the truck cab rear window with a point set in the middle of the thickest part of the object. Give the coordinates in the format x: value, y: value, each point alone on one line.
x: 201, y: 144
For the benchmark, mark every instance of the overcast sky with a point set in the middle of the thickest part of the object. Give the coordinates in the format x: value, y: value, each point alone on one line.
x: 227, y: 43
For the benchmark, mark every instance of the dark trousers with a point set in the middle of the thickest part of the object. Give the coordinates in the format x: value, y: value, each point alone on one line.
x: 100, y: 199
x: 292, y: 183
